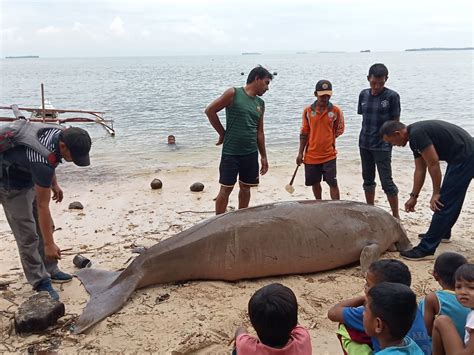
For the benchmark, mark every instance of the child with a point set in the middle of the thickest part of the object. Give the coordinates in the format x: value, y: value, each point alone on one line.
x: 350, y: 312
x: 389, y: 313
x: 444, y: 301
x: 273, y: 312
x: 446, y: 339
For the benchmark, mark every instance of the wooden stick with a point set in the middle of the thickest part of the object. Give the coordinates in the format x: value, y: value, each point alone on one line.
x: 42, y: 101
x: 294, y: 174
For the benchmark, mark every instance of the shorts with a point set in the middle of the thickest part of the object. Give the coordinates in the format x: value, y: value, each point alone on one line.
x: 245, y: 166
x: 314, y: 172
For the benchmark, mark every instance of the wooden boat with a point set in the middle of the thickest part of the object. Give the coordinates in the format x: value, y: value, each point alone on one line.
x: 52, y: 115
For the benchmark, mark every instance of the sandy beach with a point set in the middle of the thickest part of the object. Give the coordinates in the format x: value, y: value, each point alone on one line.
x: 198, y: 317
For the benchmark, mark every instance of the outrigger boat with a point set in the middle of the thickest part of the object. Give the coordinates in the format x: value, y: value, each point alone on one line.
x: 52, y: 115
x: 47, y: 113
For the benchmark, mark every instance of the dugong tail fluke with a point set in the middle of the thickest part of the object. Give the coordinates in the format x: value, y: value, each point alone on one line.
x: 275, y: 239
x: 110, y: 289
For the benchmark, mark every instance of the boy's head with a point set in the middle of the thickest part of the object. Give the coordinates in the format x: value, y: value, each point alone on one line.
x: 323, y: 91
x: 171, y: 139
x: 464, y: 285
x: 445, y: 267
x: 387, y: 270
x: 390, y: 311
x: 378, y: 75
x: 273, y: 312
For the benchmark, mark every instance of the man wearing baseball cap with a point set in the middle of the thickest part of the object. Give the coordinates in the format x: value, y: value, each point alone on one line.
x: 322, y: 123
x: 26, y: 181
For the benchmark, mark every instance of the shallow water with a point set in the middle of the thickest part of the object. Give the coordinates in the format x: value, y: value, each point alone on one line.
x: 151, y: 97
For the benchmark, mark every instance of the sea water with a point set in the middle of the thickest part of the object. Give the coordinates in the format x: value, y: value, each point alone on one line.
x: 151, y: 97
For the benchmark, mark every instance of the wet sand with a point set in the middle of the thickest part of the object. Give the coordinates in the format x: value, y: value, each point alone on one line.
x: 198, y: 317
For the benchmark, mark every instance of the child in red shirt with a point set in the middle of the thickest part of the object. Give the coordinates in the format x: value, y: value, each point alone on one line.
x: 273, y: 312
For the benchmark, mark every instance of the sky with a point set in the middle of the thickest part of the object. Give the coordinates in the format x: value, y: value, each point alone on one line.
x: 103, y: 28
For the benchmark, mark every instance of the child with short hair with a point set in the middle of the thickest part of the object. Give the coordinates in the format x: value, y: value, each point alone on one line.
x: 446, y: 339
x: 350, y: 312
x: 273, y: 312
x: 444, y: 301
x: 389, y: 313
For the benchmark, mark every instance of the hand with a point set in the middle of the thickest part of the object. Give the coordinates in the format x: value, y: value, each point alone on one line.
x: 299, y: 159
x: 435, y: 203
x: 410, y: 205
x: 57, y: 193
x: 264, y: 168
x: 52, y: 252
x: 220, y: 140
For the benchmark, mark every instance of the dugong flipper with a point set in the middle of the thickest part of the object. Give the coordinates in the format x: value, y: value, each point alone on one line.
x: 274, y: 239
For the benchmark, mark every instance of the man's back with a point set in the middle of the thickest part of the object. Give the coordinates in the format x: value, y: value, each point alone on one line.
x: 452, y: 143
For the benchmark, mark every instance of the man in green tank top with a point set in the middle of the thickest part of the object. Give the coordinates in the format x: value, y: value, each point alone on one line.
x: 243, y: 138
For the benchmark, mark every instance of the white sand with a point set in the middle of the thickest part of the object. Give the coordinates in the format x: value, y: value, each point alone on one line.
x: 199, y: 317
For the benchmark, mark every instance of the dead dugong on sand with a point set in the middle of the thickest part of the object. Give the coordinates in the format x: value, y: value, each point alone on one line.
x: 274, y: 239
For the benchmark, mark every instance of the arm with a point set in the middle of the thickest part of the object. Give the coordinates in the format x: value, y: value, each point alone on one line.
x: 261, y: 145
x: 304, y: 132
x: 57, y: 191
x: 418, y: 181
x: 446, y: 339
x: 430, y: 311
x: 43, y: 196
x: 303, y: 143
x: 214, y: 107
x: 430, y: 156
x: 339, y: 124
x: 336, y: 312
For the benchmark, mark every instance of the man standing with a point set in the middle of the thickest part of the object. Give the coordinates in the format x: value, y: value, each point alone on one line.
x: 242, y: 138
x: 377, y: 105
x: 322, y: 122
x: 432, y: 141
x: 26, y: 180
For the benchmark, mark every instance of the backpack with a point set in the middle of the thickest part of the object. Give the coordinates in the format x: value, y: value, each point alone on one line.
x: 26, y: 133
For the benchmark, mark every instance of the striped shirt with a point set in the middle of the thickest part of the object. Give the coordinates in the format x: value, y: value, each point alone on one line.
x: 27, y: 167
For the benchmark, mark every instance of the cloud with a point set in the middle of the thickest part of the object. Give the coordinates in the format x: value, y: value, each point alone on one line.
x: 11, y: 34
x: 202, y: 26
x: 48, y: 30
x: 116, y: 27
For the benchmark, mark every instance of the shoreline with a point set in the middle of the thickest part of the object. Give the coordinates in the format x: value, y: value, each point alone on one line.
x: 199, y: 316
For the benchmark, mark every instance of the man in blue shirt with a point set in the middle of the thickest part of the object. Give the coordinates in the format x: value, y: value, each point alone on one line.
x: 377, y: 105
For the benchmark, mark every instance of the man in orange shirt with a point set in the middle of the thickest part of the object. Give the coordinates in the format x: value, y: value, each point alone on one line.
x: 322, y: 123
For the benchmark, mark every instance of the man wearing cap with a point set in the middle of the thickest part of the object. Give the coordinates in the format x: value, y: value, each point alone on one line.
x: 377, y: 105
x: 26, y: 183
x: 322, y: 123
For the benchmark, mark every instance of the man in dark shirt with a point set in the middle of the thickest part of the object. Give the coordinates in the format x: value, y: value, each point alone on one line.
x: 432, y: 141
x: 26, y: 181
x: 377, y: 105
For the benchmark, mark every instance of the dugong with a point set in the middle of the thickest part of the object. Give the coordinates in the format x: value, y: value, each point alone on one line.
x: 281, y: 238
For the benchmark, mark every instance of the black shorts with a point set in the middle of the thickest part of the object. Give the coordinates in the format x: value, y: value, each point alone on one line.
x: 245, y: 166
x: 314, y: 172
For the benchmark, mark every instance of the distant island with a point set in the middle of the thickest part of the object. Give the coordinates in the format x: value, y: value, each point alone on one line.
x: 22, y: 56
x: 251, y: 53
x: 326, y: 52
x: 365, y: 51
x: 439, y: 49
